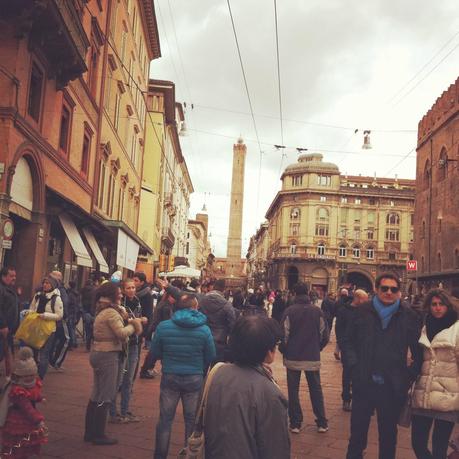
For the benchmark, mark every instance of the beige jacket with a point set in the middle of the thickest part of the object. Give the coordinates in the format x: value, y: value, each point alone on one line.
x: 109, y: 330
x: 438, y: 386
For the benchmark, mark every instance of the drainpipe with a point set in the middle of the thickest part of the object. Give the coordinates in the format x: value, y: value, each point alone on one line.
x: 430, y: 205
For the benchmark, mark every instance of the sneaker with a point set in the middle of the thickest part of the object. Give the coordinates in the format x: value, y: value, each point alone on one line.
x: 118, y: 419
x: 295, y: 430
x: 146, y: 375
x: 347, y: 406
x: 132, y: 418
x: 59, y: 369
x: 322, y: 429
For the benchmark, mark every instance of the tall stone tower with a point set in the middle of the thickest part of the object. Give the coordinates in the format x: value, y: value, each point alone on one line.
x: 233, y: 253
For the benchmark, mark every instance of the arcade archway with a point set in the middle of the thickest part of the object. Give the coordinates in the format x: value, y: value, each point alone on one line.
x: 360, y: 280
x: 292, y: 277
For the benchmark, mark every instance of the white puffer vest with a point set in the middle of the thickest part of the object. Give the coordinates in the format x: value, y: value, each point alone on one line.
x: 438, y: 386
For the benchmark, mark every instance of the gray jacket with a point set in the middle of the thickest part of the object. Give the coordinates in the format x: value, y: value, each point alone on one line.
x: 246, y: 416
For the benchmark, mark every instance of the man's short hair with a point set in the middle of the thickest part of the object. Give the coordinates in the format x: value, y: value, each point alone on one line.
x: 300, y: 288
x: 186, y: 301
x: 194, y: 283
x: 141, y: 276
x: 219, y: 285
x: 382, y: 276
x: 251, y: 339
x: 6, y: 269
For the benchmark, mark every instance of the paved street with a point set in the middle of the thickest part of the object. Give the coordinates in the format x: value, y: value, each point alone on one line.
x: 67, y: 395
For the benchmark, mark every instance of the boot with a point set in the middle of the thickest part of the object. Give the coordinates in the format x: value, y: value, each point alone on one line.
x: 100, y: 421
x: 89, y: 422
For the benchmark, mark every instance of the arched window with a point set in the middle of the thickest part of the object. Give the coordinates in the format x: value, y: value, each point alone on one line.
x: 427, y: 176
x: 342, y: 250
x: 322, y: 214
x: 295, y: 213
x: 321, y: 249
x: 370, y: 253
x: 393, y: 219
x: 443, y: 165
x: 356, y: 251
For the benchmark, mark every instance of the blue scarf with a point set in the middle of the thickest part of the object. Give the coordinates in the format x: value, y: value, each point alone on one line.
x: 385, y: 313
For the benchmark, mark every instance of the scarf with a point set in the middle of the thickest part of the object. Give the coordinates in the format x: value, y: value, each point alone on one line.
x: 434, y: 326
x: 42, y: 301
x: 385, y: 313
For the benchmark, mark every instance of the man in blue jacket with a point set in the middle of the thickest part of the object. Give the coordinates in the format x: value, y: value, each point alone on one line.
x: 185, y: 346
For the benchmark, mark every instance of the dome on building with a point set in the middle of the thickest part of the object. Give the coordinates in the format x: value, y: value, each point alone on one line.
x: 311, y: 162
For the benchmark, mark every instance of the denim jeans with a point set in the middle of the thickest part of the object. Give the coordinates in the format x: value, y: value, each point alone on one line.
x: 315, y: 392
x: 122, y: 363
x: 42, y: 356
x: 173, y: 388
x: 128, y: 378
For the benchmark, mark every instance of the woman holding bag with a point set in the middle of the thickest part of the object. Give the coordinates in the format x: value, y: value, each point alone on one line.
x: 48, y: 304
x: 436, y: 392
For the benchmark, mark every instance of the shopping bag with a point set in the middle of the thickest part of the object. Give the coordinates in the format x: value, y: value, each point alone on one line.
x: 35, y: 331
x: 404, y: 419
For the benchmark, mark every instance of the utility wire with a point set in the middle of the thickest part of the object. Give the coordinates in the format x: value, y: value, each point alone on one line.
x: 279, y: 82
x: 425, y: 76
x: 248, y: 98
x: 425, y: 66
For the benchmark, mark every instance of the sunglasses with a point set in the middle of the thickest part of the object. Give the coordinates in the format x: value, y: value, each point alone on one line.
x: 386, y: 288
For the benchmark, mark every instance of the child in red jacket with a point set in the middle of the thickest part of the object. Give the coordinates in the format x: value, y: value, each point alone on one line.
x: 24, y: 431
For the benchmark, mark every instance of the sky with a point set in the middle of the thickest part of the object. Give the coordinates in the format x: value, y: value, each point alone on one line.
x: 344, y: 65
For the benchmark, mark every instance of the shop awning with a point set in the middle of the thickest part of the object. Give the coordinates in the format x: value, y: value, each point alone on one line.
x: 127, y: 251
x: 103, y: 265
x: 71, y: 231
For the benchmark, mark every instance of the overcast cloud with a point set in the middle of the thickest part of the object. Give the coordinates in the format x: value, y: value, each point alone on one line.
x: 342, y: 63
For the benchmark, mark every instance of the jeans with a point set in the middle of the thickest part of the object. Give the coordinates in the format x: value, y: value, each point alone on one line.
x: 315, y: 392
x: 379, y: 397
x: 128, y: 378
x: 88, y: 324
x: 122, y: 365
x: 173, y: 388
x: 346, y: 394
x: 72, y: 323
x: 42, y: 356
x: 60, y: 345
x: 420, y: 432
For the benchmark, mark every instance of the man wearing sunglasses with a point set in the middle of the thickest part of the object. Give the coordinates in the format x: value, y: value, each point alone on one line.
x: 375, y: 346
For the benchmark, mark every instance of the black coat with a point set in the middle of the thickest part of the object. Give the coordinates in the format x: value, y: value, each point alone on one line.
x: 368, y: 349
x: 9, y: 311
x: 344, y: 317
x: 145, y: 297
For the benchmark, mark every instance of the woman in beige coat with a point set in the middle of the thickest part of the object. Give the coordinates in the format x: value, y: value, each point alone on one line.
x: 110, y: 334
x: 436, y: 392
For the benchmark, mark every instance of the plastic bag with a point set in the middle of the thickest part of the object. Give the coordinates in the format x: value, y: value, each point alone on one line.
x: 35, y: 331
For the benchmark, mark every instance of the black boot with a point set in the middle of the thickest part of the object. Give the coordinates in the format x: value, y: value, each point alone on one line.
x: 89, y: 422
x: 100, y: 421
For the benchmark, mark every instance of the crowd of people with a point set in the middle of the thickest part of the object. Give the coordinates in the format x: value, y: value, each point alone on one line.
x: 394, y: 358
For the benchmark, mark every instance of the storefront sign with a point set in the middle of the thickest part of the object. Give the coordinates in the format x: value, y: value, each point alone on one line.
x: 8, y: 229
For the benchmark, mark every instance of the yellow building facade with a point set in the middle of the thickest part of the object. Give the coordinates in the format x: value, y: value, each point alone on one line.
x: 328, y: 229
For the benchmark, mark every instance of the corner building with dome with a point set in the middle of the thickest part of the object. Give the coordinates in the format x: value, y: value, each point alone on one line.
x: 328, y: 229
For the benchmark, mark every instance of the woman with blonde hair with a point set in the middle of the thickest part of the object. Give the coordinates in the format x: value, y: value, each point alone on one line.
x: 110, y: 333
x: 436, y: 392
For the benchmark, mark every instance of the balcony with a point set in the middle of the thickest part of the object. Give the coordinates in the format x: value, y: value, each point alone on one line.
x: 55, y: 27
x: 167, y: 237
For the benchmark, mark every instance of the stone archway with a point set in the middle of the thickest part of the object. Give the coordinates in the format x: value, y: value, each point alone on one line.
x: 319, y: 281
x: 292, y: 276
x: 360, y: 280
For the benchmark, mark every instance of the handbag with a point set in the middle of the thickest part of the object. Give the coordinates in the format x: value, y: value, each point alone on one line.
x: 195, y: 444
x: 404, y: 420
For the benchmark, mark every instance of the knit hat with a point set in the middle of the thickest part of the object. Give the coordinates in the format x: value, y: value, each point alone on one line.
x: 25, y: 364
x: 54, y: 282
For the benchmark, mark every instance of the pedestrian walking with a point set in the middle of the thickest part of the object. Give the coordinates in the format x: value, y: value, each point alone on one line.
x: 48, y: 304
x: 145, y: 296
x: 87, y: 304
x: 73, y: 313
x: 329, y: 308
x: 305, y: 335
x: 110, y: 333
x: 221, y: 317
x: 344, y: 317
x: 61, y: 342
x: 435, y: 401
x: 279, y: 306
x: 185, y: 346
x: 375, y: 347
x: 246, y: 412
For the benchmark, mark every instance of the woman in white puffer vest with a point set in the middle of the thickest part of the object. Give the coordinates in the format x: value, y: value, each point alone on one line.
x: 436, y: 392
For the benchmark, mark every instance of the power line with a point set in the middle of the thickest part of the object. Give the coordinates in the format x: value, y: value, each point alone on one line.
x: 425, y: 66
x: 279, y: 81
x: 248, y: 98
x: 312, y: 123
x: 425, y: 76
x: 400, y: 162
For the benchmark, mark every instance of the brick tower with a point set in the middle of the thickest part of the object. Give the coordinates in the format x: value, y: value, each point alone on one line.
x: 233, y: 253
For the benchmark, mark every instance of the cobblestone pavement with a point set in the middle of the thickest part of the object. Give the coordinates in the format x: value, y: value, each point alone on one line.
x: 67, y: 394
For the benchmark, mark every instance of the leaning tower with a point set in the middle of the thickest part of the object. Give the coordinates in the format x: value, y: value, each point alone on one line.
x: 234, y: 247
